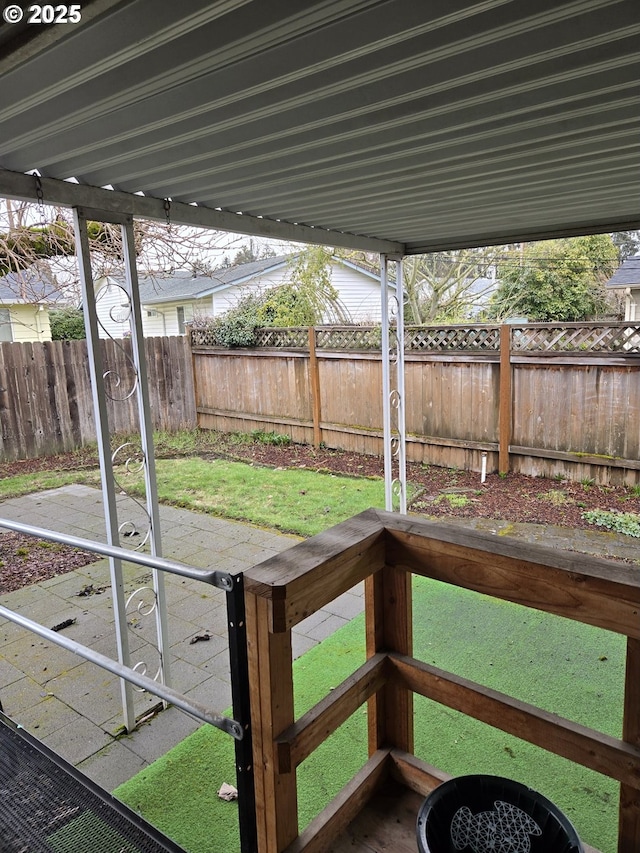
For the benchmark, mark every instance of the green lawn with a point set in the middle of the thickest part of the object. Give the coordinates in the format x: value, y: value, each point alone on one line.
x: 40, y: 481
x: 292, y: 500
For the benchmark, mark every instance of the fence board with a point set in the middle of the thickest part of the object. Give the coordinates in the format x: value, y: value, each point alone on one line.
x: 58, y: 409
x: 158, y: 365
x: 584, y: 410
x: 181, y: 391
x: 45, y: 393
x: 62, y: 400
x: 84, y: 397
x: 8, y: 410
x: 26, y: 431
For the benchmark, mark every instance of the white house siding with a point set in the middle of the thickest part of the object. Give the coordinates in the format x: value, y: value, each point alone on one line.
x: 228, y: 298
x: 111, y: 302
x: 632, y: 305
x: 154, y: 321
x: 162, y: 319
x: 359, y: 294
x: 29, y: 323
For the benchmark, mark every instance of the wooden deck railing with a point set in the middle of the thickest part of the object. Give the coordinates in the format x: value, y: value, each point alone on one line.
x: 384, y: 550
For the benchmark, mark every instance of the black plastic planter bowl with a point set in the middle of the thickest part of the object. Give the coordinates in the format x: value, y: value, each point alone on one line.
x: 488, y: 814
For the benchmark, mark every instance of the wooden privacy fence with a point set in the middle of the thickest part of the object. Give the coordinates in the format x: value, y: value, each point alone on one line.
x: 540, y: 399
x: 45, y: 393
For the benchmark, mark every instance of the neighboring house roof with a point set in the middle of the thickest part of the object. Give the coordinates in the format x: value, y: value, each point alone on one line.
x: 627, y: 274
x: 179, y: 285
x: 27, y: 287
x: 245, y: 272
x: 183, y: 285
x: 232, y: 276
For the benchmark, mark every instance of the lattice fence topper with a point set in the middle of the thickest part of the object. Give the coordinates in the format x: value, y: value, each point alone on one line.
x: 349, y: 337
x: 448, y: 338
x: 621, y: 338
x: 576, y: 338
x: 290, y: 338
x: 329, y: 337
x: 203, y: 338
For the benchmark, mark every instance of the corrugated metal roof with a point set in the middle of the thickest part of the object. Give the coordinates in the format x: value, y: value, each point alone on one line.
x: 433, y: 124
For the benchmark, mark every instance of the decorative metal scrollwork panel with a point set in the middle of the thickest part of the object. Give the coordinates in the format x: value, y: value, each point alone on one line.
x: 392, y: 346
x: 141, y: 604
x: 135, y: 531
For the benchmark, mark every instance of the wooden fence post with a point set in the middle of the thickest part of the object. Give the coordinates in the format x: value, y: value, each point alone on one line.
x: 314, y: 375
x: 506, y: 403
x: 194, y: 378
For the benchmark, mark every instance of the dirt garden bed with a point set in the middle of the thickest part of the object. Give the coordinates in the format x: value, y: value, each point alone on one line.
x: 436, y: 492
x: 25, y: 560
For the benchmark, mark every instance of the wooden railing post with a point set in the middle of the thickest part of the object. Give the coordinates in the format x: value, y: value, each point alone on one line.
x: 629, y: 819
x: 271, y: 691
x: 506, y: 403
x: 314, y: 375
x: 389, y: 627
x: 384, y: 549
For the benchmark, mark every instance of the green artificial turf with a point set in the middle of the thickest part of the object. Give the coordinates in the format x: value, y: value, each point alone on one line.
x: 567, y: 668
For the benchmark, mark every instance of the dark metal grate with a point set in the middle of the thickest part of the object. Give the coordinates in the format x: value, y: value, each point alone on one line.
x: 47, y: 806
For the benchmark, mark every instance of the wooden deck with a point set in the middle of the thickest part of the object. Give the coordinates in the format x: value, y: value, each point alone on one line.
x: 377, y: 809
x: 387, y: 824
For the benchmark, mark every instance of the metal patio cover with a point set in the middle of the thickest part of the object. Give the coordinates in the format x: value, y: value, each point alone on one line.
x: 406, y: 125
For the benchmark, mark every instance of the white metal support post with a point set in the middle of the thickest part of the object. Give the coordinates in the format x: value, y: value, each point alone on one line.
x: 146, y: 463
x: 146, y: 437
x: 96, y: 370
x: 393, y: 402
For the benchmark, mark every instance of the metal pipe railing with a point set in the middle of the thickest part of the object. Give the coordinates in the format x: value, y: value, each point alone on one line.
x: 221, y: 580
x: 196, y: 709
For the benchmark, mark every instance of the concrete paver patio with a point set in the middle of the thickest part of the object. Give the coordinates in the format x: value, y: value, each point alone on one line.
x: 74, y: 706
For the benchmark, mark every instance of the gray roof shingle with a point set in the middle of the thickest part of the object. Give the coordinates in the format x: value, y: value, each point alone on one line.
x: 28, y: 287
x: 183, y: 284
x: 627, y: 274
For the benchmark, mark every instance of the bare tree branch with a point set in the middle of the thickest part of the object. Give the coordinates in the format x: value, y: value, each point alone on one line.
x: 37, y: 244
